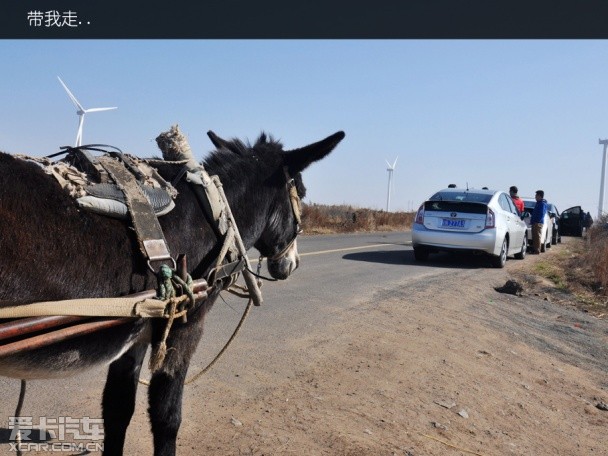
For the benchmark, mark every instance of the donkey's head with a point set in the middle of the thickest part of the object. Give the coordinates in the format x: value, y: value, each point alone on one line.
x: 277, y: 194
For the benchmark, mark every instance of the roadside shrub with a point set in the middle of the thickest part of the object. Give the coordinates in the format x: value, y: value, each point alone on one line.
x: 597, y: 252
x: 323, y: 219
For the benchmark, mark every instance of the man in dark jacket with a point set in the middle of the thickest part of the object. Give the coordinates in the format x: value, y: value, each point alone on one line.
x: 538, y: 220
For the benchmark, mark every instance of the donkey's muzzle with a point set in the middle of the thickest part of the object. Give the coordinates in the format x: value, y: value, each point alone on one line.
x: 280, y: 268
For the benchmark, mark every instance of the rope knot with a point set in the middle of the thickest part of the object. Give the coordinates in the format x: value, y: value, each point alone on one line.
x: 169, y: 284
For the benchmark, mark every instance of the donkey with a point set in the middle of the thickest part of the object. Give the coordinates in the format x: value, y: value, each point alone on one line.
x: 52, y: 250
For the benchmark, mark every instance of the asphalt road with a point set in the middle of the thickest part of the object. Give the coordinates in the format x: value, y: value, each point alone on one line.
x: 336, y: 273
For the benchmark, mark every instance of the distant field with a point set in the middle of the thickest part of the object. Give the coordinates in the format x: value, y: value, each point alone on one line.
x: 323, y: 219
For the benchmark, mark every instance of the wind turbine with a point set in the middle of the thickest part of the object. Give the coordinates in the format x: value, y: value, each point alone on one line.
x: 600, y: 211
x: 390, y: 170
x: 81, y: 112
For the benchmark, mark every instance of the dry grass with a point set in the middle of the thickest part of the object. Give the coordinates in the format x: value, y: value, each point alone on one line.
x: 553, y: 271
x: 596, y: 254
x: 322, y: 219
x: 581, y: 270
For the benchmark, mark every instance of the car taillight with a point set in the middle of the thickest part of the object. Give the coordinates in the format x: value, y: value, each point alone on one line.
x: 420, y: 215
x: 490, y: 219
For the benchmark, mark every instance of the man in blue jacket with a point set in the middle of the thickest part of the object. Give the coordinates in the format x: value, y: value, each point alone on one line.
x: 538, y: 220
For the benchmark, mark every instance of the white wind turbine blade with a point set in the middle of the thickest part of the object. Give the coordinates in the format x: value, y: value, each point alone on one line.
x: 99, y: 109
x: 393, y: 165
x: 71, y: 95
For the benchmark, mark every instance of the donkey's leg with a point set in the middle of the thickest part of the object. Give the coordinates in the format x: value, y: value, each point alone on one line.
x: 165, y: 397
x: 119, y: 397
x: 167, y: 383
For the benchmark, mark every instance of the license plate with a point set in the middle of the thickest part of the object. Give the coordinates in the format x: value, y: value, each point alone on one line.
x: 450, y: 223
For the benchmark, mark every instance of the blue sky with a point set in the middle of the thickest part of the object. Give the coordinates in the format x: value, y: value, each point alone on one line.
x: 479, y: 112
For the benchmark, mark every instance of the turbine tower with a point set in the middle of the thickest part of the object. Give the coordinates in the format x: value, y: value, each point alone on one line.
x: 390, y: 170
x: 600, y: 210
x: 81, y: 112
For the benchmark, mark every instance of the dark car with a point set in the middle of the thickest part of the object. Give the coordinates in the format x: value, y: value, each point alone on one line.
x: 556, y: 236
x: 573, y: 220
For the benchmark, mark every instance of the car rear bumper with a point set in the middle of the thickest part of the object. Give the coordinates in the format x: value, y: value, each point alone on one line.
x: 484, y: 241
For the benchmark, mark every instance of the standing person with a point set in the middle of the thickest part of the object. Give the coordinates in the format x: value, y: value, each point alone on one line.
x: 538, y: 219
x: 519, y: 203
x: 588, y: 220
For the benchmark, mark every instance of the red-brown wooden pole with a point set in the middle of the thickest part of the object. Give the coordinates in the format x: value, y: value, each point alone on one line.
x: 78, y: 325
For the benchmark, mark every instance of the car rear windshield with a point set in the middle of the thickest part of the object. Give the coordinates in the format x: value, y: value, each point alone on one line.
x: 529, y: 204
x: 462, y: 196
x: 456, y: 206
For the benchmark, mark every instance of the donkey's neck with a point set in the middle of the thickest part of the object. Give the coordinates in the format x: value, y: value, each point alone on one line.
x: 249, y: 207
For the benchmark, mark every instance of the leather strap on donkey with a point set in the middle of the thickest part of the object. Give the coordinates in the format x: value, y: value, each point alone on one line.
x: 149, y: 233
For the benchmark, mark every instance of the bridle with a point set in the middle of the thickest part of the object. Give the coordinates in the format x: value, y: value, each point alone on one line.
x: 296, y: 208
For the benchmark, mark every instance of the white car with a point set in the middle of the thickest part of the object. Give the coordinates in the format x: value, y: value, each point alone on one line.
x: 481, y: 221
x: 547, y: 233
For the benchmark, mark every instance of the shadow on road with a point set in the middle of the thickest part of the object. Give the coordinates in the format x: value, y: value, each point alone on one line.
x: 406, y: 257
x: 33, y: 435
x: 384, y: 257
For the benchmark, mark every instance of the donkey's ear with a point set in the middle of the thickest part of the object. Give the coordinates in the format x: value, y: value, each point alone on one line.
x: 298, y: 160
x: 219, y: 142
